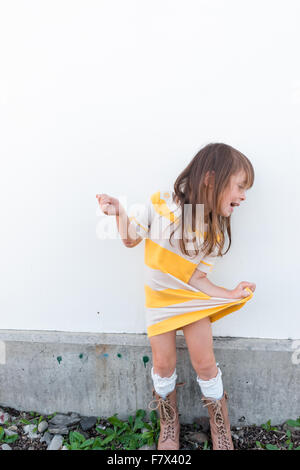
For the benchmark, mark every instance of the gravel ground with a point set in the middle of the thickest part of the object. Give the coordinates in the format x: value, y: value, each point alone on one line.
x: 192, y: 436
x: 245, y: 438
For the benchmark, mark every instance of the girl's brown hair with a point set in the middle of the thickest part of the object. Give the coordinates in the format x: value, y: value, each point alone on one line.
x: 189, y: 188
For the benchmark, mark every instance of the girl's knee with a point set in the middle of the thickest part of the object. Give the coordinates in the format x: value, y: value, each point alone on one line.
x: 206, y: 370
x: 163, y: 367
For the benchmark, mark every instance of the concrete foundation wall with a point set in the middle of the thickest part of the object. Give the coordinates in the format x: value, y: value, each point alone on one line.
x: 102, y: 374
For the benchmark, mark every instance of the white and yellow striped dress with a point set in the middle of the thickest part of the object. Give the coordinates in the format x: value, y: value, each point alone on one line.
x: 170, y: 302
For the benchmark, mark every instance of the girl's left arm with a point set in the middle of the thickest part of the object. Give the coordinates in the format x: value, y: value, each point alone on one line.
x: 200, y: 282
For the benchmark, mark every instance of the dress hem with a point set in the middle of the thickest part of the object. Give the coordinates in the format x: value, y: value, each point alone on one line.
x: 178, y: 321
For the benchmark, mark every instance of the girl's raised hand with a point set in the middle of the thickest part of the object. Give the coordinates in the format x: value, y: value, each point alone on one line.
x: 109, y: 205
x: 240, y: 292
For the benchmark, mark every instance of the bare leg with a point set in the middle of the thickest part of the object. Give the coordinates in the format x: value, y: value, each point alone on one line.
x: 164, y: 353
x: 199, y: 340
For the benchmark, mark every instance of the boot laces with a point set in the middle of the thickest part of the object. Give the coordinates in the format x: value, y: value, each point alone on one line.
x: 223, y: 439
x: 168, y: 416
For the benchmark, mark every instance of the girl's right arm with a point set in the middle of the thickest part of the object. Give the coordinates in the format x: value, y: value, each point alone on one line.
x: 111, y: 206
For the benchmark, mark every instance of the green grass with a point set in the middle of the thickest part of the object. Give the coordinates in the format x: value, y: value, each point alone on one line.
x: 287, y: 444
x: 124, y: 435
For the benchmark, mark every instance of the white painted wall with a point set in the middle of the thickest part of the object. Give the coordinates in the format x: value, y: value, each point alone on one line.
x: 117, y: 97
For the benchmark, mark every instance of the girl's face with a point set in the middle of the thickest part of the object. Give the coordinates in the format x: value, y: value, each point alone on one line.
x: 234, y: 194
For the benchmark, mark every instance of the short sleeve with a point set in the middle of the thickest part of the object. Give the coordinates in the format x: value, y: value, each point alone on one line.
x: 140, y: 215
x: 207, y: 263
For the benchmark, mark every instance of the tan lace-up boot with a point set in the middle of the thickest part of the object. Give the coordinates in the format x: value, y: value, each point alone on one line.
x: 169, y: 420
x: 219, y: 422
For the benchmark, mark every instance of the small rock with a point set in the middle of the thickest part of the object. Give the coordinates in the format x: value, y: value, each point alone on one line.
x: 240, y: 433
x: 58, y: 429
x: 28, y: 429
x: 198, y: 437
x: 6, y: 447
x: 12, y: 428
x: 101, y: 426
x: 31, y: 448
x: 235, y: 436
x: 8, y: 432
x: 46, y: 438
x: 42, y: 426
x: 56, y: 443
x: 4, y: 417
x: 87, y: 423
x: 65, y: 420
x: 64, y: 448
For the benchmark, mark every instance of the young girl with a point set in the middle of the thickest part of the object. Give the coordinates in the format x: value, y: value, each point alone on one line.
x: 179, y: 296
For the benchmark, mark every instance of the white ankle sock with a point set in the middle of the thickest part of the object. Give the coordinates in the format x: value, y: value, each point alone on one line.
x: 163, y: 385
x: 212, y: 388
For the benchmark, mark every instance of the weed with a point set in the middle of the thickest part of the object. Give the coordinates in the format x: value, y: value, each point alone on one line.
x: 267, y: 426
x: 206, y: 446
x: 293, y: 423
x: 125, y: 435
x: 7, y: 439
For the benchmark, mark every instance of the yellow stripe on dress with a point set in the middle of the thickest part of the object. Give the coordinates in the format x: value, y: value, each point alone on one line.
x: 161, y: 207
x: 158, y: 257
x: 166, y: 297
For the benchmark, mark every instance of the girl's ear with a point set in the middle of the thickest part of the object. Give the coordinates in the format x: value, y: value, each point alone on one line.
x: 209, y: 178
